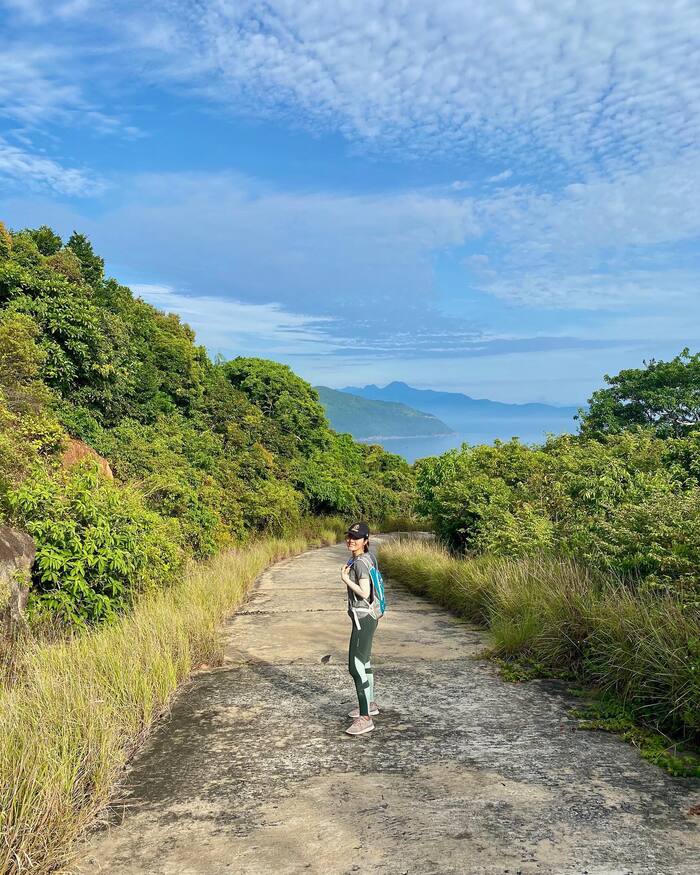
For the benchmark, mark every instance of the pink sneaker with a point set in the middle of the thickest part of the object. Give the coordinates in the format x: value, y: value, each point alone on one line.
x: 373, y: 711
x: 360, y: 726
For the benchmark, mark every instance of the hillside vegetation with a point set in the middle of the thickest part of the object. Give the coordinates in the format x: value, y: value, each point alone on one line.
x: 364, y: 418
x: 230, y: 462
x: 205, y: 455
x: 623, y: 496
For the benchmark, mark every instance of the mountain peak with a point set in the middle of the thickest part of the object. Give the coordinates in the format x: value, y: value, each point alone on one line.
x: 458, y: 409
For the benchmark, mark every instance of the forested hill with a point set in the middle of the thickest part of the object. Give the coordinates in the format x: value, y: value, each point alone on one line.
x: 363, y: 418
x: 204, y: 455
x: 458, y: 409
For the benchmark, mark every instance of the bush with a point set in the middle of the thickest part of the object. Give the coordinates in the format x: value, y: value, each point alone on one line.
x: 98, y: 547
x: 628, y: 504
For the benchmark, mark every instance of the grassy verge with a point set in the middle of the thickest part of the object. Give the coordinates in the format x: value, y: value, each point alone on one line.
x: 641, y: 654
x: 80, y: 706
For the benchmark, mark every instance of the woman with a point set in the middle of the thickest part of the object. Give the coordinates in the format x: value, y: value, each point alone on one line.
x: 355, y: 575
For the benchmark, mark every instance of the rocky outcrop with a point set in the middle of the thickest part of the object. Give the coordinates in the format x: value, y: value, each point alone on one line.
x: 77, y: 450
x: 17, y: 552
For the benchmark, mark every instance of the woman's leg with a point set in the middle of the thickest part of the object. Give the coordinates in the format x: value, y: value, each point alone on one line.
x: 359, y: 662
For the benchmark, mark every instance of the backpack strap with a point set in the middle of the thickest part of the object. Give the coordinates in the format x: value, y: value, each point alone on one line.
x: 368, y: 562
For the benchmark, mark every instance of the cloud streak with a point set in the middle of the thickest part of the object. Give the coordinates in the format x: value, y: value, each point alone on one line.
x: 236, y: 328
x: 21, y: 167
x: 596, y: 291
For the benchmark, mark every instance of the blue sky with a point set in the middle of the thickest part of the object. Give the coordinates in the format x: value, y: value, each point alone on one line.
x: 498, y: 197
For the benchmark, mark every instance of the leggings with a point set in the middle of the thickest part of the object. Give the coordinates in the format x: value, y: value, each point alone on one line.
x: 359, y: 665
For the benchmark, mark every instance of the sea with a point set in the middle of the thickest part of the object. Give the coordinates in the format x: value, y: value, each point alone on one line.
x: 528, y: 431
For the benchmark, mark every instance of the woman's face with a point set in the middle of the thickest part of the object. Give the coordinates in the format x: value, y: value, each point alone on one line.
x: 354, y: 543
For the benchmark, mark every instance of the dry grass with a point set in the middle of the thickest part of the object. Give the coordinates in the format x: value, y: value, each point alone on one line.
x: 82, y: 705
x: 644, y: 649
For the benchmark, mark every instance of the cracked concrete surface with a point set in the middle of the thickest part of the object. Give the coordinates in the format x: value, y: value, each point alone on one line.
x: 252, y: 772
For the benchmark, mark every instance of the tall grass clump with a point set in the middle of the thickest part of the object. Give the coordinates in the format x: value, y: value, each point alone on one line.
x: 646, y: 651
x: 641, y: 647
x: 81, y: 705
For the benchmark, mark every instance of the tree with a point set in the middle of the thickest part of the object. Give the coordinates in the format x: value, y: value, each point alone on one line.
x: 5, y: 242
x: 67, y: 263
x: 21, y: 361
x: 663, y: 395
x: 284, y: 397
x: 47, y: 242
x: 92, y: 266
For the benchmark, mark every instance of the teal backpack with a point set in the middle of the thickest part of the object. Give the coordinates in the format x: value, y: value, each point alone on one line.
x: 377, y: 595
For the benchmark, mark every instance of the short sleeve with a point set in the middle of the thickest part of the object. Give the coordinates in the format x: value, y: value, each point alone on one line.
x: 361, y: 571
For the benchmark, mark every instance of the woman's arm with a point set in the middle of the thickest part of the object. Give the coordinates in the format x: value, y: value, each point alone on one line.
x: 362, y: 588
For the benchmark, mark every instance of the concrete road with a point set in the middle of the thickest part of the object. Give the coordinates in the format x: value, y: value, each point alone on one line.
x: 253, y: 773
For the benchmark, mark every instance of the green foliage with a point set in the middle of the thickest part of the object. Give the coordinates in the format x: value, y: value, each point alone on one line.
x: 28, y: 428
x: 627, y: 504
x: 284, y: 398
x: 181, y: 475
x: 47, y: 242
x: 23, y: 440
x: 214, y: 452
x: 97, y: 545
x: 66, y: 263
x: 92, y: 266
x: 21, y: 361
x: 662, y: 395
x: 5, y: 242
x: 482, y: 498
x: 25, y: 252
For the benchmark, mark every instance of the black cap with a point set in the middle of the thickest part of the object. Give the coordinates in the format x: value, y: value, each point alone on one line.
x: 358, y: 530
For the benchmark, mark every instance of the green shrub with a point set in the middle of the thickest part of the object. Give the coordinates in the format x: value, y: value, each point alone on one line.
x: 628, y: 504
x: 98, y: 547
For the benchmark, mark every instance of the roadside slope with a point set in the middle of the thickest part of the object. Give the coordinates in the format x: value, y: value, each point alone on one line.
x: 252, y: 773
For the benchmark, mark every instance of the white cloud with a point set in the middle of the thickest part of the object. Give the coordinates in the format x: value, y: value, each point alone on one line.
x: 599, y: 291
x: 650, y: 207
x: 501, y: 177
x: 32, y: 91
x: 589, y: 85
x: 238, y: 328
x: 41, y: 11
x: 43, y: 85
x: 600, y: 245
x: 335, y: 252
x: 20, y: 167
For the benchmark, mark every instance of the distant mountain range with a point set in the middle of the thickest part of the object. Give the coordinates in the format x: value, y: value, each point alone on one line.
x: 367, y: 418
x: 463, y: 413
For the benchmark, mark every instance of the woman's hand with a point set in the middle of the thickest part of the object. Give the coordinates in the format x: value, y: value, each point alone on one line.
x: 345, y: 574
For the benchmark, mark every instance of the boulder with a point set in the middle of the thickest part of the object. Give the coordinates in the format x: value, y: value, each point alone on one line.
x: 17, y: 552
x: 77, y: 450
